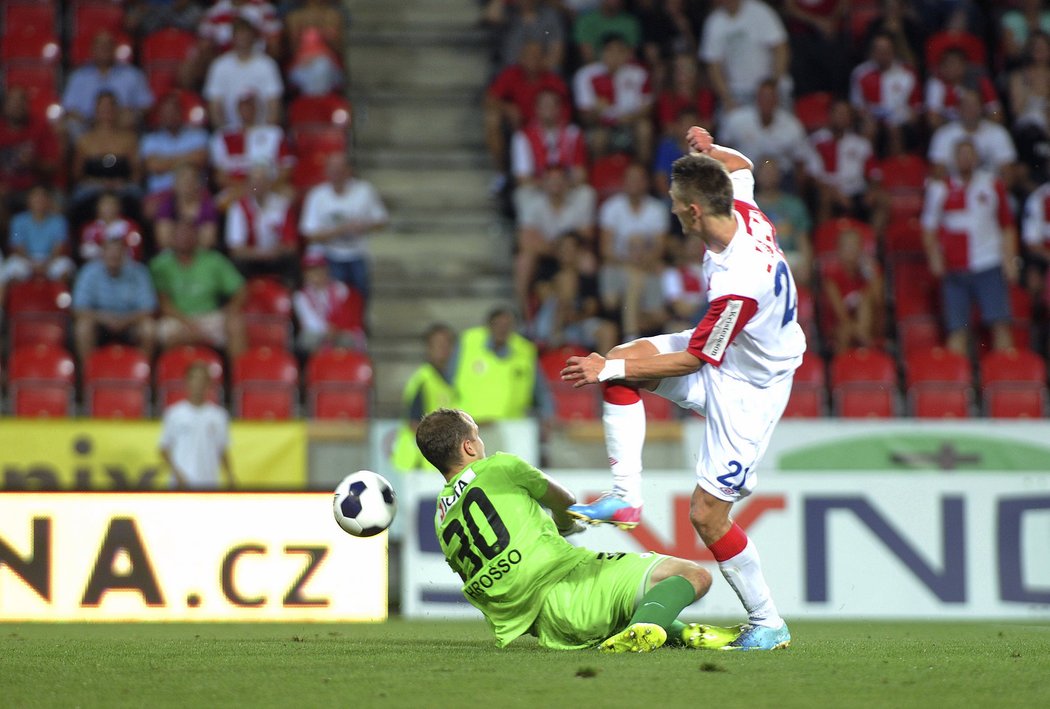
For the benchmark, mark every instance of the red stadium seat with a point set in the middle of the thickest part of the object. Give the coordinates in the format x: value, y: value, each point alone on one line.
x: 861, y: 14
x: 939, y: 383
x: 29, y: 13
x: 167, y: 46
x: 29, y: 43
x: 265, y: 384
x: 80, y: 51
x: 915, y: 290
x: 607, y: 174
x: 339, y: 385
x: 307, y: 112
x: 808, y: 389
x: 39, y: 79
x: 38, y: 311
x: 864, y: 384
x: 171, y: 373
x: 268, y: 314
x: 116, y: 383
x: 918, y: 333
x: 903, y: 177
x: 569, y: 404
x: 812, y: 110
x: 826, y: 236
x: 904, y: 237
x: 93, y: 16
x: 1013, y: 384
x: 41, y: 381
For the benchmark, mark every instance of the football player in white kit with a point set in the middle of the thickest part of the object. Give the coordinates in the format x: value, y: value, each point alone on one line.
x: 735, y: 368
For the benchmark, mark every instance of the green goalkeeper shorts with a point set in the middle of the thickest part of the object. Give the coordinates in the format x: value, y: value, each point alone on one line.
x: 595, y: 600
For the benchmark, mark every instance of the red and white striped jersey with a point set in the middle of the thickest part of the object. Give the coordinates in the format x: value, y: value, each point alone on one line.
x: 625, y: 92
x: 969, y: 217
x: 943, y: 98
x: 235, y: 150
x: 1035, y: 225
x: 534, y: 149
x: 750, y: 330
x: 217, y: 25
x: 892, y: 95
x: 843, y: 163
x: 99, y: 231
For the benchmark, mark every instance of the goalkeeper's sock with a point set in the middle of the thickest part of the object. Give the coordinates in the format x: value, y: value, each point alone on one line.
x: 623, y: 418
x: 662, y: 603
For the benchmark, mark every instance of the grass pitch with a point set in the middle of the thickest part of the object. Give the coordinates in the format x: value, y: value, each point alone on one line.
x: 435, y: 664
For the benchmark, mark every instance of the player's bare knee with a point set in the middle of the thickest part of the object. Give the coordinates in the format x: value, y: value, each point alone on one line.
x: 699, y: 577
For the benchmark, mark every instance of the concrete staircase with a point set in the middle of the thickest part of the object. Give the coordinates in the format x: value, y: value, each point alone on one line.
x: 418, y: 69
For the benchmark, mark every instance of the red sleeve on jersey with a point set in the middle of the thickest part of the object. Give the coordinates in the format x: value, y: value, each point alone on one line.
x: 1006, y: 217
x: 724, y: 319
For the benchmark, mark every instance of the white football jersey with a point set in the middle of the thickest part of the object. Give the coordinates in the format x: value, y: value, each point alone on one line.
x: 750, y: 330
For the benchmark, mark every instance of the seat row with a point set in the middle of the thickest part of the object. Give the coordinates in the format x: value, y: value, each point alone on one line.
x: 118, y: 383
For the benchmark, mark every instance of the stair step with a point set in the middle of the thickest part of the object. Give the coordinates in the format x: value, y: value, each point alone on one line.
x: 379, y: 14
x: 412, y: 125
x: 410, y: 317
x: 409, y: 66
x: 449, y: 189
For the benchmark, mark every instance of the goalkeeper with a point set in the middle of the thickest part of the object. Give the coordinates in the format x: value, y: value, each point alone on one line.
x: 525, y: 578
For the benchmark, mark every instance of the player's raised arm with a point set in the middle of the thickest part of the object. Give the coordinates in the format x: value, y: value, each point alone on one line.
x: 700, y: 141
x: 594, y: 368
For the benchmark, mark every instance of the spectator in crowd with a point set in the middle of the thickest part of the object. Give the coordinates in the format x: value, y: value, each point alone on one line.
x: 201, y: 295
x: 900, y: 21
x: 172, y: 145
x: 428, y: 389
x: 789, y: 215
x: 886, y: 93
x: 324, y: 16
x: 339, y: 214
x: 235, y: 148
x: 953, y: 33
x: 516, y: 24
x: 39, y: 242
x: 496, y: 372
x: 113, y: 301
x: 104, y: 74
x: 315, y: 69
x: 815, y: 31
x: 195, y: 436
x: 144, y: 17
x: 28, y: 151
x: 683, y: 285
x: 995, y: 147
x: 955, y: 74
x: 241, y: 70
x: 852, y: 289
x: 633, y: 227
x: 105, y: 159
x: 557, y: 210
x: 546, y: 142
x: 673, y: 145
x: 1029, y: 96
x: 687, y: 89
x: 971, y: 245
x: 259, y: 236
x: 330, y: 313
x: 1035, y: 235
x: 766, y: 129
x: 840, y: 160
x: 609, y: 18
x: 569, y: 303
x: 110, y: 224
x: 188, y: 201
x: 668, y: 30
x: 614, y: 99
x: 744, y: 42
x: 1019, y: 24
x: 218, y: 30
x: 511, y: 101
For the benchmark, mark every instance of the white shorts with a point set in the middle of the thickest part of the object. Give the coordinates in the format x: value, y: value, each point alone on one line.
x: 740, y: 420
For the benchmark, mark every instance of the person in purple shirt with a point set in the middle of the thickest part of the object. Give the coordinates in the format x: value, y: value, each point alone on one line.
x: 39, y: 242
x: 104, y: 73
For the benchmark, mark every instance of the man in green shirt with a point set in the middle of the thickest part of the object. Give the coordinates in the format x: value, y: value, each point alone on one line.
x: 519, y: 571
x: 201, y: 295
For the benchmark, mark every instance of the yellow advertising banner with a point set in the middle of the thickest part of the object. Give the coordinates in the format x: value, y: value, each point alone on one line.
x: 90, y: 454
x: 185, y: 557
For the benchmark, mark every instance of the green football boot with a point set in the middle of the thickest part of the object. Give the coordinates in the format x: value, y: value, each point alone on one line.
x: 639, y: 637
x: 709, y: 637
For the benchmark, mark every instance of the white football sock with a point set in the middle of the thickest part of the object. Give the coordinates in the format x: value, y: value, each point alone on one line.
x: 624, y: 438
x: 744, y: 574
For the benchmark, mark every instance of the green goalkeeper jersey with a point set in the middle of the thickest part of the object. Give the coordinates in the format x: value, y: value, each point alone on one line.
x: 501, y: 542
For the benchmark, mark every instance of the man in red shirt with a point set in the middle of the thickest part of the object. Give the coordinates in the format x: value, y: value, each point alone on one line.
x: 511, y: 99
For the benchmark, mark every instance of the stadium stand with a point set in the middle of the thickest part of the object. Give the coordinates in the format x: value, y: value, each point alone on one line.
x: 339, y: 385
x: 117, y: 383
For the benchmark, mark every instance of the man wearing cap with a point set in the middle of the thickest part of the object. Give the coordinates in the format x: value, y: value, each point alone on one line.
x: 113, y: 300
x: 242, y: 69
x: 236, y: 148
x: 329, y: 312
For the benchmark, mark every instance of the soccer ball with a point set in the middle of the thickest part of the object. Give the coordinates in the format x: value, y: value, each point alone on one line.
x: 364, y: 503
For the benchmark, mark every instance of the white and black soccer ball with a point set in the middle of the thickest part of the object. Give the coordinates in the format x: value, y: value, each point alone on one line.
x: 364, y: 503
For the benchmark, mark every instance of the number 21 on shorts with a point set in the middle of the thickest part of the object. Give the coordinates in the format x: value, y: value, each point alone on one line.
x: 737, y: 471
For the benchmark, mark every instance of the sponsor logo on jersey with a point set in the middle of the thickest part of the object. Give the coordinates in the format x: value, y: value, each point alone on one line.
x: 445, y: 502
x: 718, y: 340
